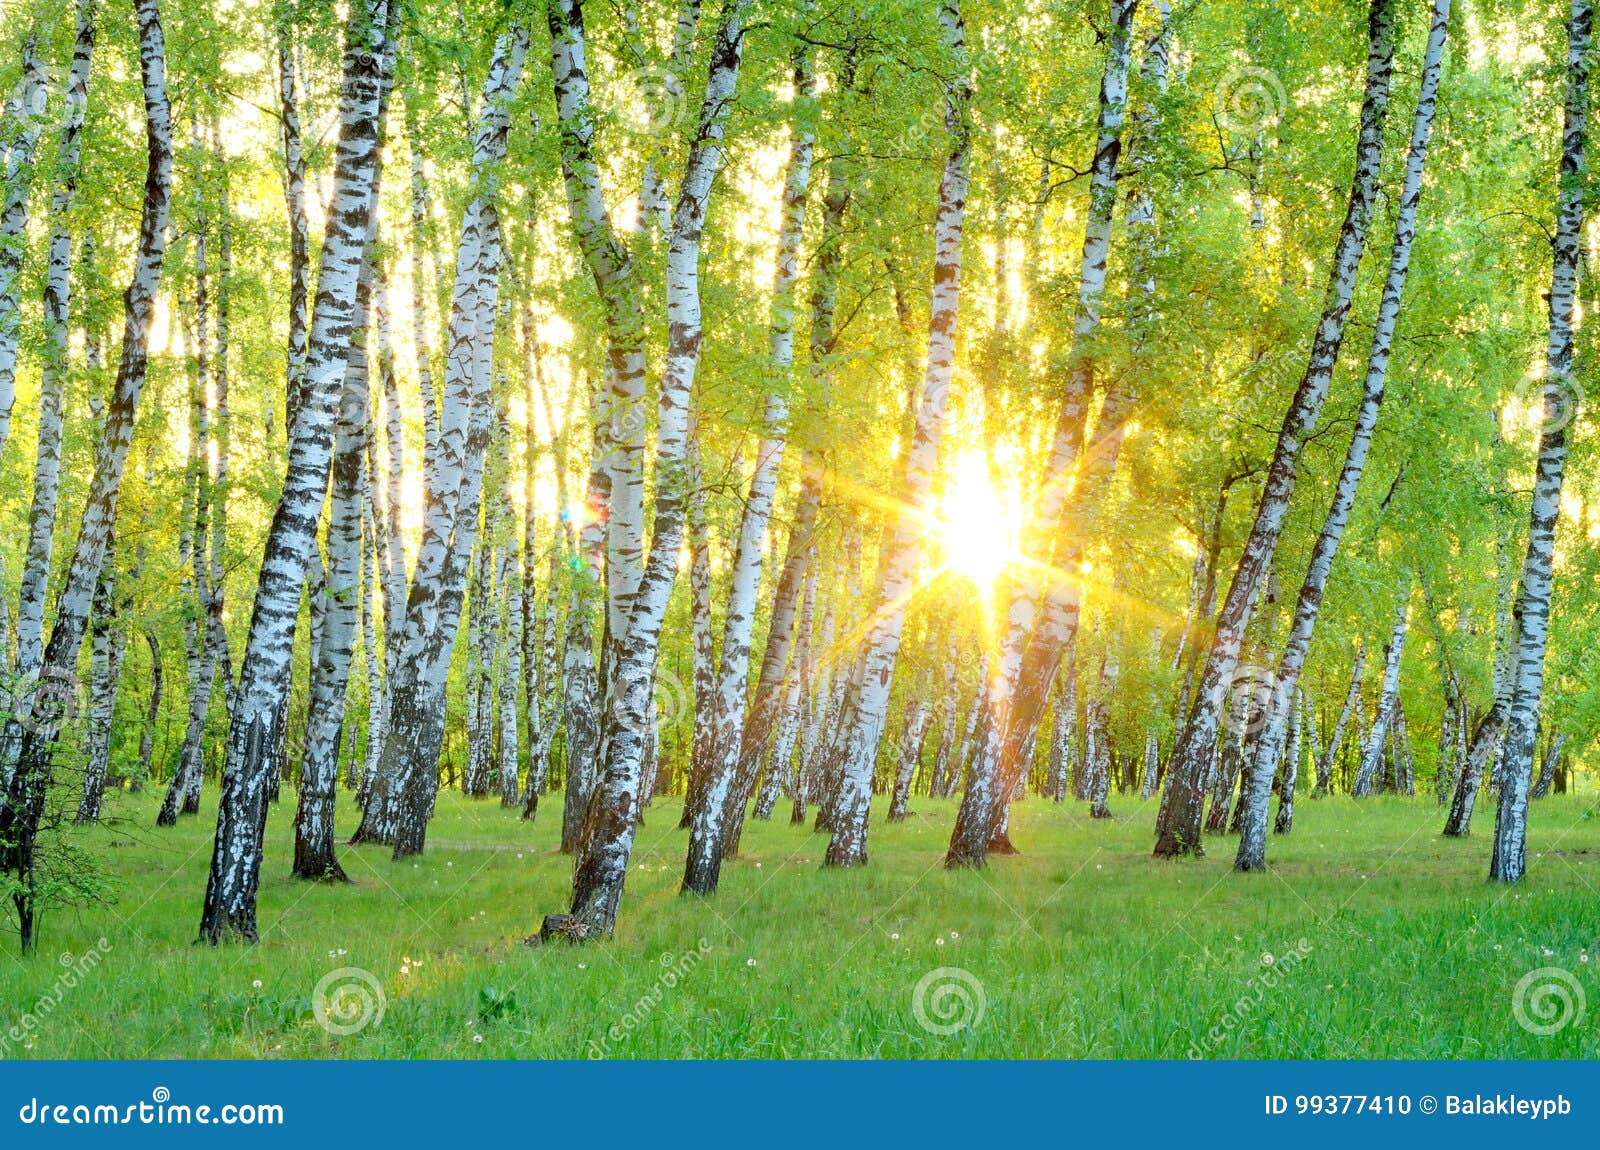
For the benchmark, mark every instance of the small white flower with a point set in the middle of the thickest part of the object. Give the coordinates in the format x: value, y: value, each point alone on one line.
x: 343, y: 952
x: 894, y: 937
x: 758, y: 866
x: 1583, y: 958
x: 1097, y: 866
x: 477, y: 1038
x: 256, y: 984
x: 1497, y: 946
x: 470, y: 1023
x: 519, y: 854
x: 1548, y: 953
x: 938, y: 942
x: 749, y: 962
x: 583, y: 966
x: 449, y: 864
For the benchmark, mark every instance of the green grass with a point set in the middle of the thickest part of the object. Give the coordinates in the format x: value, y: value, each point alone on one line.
x: 1084, y: 947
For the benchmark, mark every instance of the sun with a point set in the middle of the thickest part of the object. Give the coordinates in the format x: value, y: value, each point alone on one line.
x: 977, y: 523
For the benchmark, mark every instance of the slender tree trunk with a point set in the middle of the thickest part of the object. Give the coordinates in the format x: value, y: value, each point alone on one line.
x: 1258, y: 787
x: 1030, y: 654
x: 1532, y: 612
x: 1178, y: 824
x: 606, y: 840
x: 105, y: 667
x: 406, y: 783
x: 732, y: 771
x: 1291, y: 770
x: 314, y: 854
x: 910, y: 757
x: 19, y: 172
x: 1372, y: 752
x: 27, y: 786
x: 866, y: 708
x: 52, y: 381
x: 1330, y: 753
x: 230, y: 905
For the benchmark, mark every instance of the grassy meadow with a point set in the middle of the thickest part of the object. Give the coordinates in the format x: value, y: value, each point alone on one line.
x: 1373, y: 937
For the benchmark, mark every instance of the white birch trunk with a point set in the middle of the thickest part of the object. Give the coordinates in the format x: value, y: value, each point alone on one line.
x: 52, y: 382
x: 1533, y: 596
x: 1178, y: 824
x: 19, y: 172
x: 27, y: 785
x: 230, y: 905
x: 606, y: 840
x: 1010, y: 722
x: 732, y: 773
x: 1372, y: 750
x: 1252, y: 853
x: 863, y: 721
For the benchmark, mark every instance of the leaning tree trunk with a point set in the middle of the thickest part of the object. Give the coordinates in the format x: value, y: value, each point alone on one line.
x: 1258, y: 782
x: 230, y: 905
x: 1178, y: 823
x: 731, y: 773
x: 866, y: 708
x: 1035, y: 639
x: 1330, y: 753
x: 53, y: 373
x: 1547, y: 769
x: 28, y: 785
x: 406, y: 783
x: 606, y: 840
x: 1533, y: 598
x: 314, y: 854
x: 910, y: 756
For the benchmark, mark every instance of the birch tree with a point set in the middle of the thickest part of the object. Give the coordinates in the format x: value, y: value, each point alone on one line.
x: 230, y: 903
x: 1532, y: 612
x: 1178, y: 823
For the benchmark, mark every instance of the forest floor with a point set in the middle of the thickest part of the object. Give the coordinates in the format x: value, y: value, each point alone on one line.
x: 1385, y: 941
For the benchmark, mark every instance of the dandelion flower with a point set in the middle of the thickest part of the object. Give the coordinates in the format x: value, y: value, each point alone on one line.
x: 749, y: 962
x: 954, y: 934
x: 894, y: 937
x: 477, y: 1038
x: 938, y: 942
x: 583, y: 966
x: 256, y: 984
